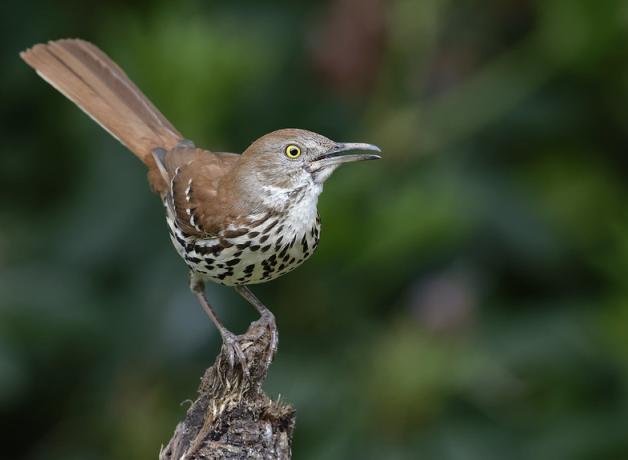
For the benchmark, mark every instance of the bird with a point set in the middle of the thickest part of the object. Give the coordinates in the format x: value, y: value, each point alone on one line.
x: 235, y: 219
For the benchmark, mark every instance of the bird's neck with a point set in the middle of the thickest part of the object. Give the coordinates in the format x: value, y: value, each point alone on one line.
x: 295, y: 194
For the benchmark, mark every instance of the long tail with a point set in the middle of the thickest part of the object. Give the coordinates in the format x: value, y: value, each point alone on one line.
x: 90, y: 79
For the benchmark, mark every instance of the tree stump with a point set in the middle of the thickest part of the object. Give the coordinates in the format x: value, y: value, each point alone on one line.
x: 232, y: 418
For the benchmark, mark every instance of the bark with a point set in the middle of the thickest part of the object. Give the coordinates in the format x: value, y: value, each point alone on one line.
x: 232, y: 418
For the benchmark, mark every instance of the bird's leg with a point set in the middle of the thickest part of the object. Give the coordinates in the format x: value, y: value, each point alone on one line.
x: 229, y: 340
x: 266, y: 316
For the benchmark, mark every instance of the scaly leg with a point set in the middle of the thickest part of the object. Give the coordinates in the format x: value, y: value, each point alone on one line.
x: 229, y: 340
x: 266, y: 314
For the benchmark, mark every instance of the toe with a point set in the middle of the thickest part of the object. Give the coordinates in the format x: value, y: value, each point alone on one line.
x: 233, y: 351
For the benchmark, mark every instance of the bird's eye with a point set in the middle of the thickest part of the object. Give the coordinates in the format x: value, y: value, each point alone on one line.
x: 293, y: 151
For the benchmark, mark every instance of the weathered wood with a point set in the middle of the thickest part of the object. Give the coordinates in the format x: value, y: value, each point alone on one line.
x: 232, y: 418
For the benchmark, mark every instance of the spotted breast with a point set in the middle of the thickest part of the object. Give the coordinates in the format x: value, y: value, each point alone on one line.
x: 257, y: 249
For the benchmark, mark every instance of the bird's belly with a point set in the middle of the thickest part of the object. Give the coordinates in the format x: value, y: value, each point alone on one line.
x: 257, y: 256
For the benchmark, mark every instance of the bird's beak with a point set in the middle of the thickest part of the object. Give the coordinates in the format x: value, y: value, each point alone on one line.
x: 336, y: 156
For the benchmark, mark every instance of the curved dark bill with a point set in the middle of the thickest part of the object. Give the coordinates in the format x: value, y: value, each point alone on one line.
x: 336, y: 155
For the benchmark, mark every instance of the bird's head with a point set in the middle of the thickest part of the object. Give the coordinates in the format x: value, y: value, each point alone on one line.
x: 291, y: 158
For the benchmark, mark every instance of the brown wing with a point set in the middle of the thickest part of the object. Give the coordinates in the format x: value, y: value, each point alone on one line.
x: 194, y: 196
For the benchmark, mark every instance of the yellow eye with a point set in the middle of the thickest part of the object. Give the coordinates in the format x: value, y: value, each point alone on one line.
x: 293, y: 151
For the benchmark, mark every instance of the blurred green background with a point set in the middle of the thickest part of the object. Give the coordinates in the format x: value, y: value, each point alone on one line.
x: 468, y: 299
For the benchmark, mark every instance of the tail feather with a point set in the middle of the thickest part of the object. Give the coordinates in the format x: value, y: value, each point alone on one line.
x: 90, y: 79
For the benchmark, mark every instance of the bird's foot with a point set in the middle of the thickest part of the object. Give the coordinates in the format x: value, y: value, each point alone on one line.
x: 267, y: 320
x: 232, y: 350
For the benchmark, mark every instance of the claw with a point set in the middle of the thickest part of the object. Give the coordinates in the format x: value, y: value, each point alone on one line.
x: 266, y: 317
x: 232, y: 350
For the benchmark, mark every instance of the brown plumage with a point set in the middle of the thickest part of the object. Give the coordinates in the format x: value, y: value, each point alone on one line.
x: 90, y: 79
x: 196, y: 177
x: 234, y: 219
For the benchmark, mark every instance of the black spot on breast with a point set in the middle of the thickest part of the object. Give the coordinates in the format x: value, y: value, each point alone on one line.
x: 249, y: 268
x: 202, y: 249
x: 271, y: 225
x: 278, y: 244
x: 266, y: 248
x: 254, y: 248
x: 237, y: 254
x: 215, y: 250
x: 253, y: 235
x: 294, y: 239
x: 233, y: 262
x: 263, y: 238
x: 278, y: 231
x: 194, y: 260
x: 243, y: 245
x: 180, y: 240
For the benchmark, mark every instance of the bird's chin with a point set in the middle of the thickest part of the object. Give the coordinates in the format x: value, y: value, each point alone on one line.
x: 320, y: 175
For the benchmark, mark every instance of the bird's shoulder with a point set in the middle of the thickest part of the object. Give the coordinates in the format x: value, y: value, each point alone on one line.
x: 195, y: 183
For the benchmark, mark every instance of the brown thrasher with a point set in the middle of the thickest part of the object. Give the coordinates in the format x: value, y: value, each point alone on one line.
x: 235, y: 219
